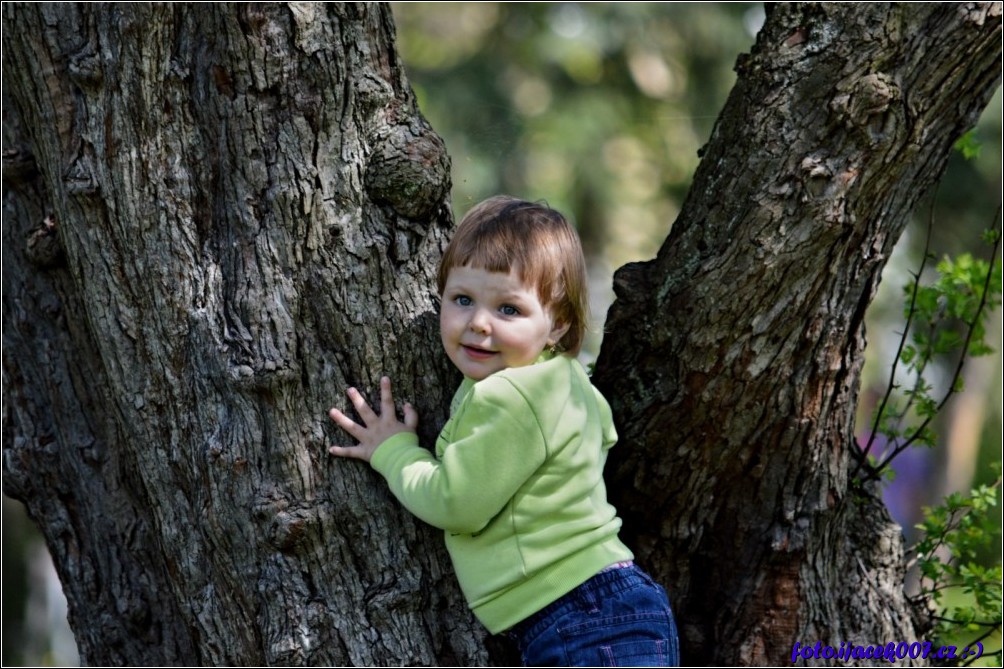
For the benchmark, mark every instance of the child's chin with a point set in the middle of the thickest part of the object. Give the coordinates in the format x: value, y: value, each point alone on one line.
x: 479, y: 372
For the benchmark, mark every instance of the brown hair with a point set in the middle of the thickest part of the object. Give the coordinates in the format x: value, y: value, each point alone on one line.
x: 503, y: 233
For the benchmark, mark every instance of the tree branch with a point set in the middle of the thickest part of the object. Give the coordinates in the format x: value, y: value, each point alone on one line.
x: 863, y: 457
x: 970, y: 326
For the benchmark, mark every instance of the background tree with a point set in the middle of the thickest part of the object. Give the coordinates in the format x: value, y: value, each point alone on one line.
x: 222, y: 216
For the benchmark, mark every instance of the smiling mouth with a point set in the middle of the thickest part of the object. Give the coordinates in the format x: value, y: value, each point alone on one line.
x: 476, y: 352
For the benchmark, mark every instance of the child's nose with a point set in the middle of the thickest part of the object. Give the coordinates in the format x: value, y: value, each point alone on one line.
x: 479, y: 322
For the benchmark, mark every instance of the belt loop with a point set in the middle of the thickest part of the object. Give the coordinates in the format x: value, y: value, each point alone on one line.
x: 588, y: 596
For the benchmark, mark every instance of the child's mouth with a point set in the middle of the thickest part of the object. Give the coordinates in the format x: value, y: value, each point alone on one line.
x: 477, y: 353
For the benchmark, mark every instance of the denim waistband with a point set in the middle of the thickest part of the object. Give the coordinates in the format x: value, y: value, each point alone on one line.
x: 604, y: 584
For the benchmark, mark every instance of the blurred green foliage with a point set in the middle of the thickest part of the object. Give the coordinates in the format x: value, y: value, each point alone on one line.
x: 598, y: 108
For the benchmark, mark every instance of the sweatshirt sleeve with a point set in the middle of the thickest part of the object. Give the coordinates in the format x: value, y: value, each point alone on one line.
x: 607, y: 420
x: 496, y: 446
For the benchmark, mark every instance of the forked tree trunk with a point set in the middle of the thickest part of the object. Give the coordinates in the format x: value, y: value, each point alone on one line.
x: 217, y: 217
x: 733, y: 359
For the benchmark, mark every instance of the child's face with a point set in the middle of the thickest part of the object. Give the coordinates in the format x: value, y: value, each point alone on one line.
x: 490, y: 321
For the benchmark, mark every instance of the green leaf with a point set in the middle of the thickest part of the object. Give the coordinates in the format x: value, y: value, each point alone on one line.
x: 968, y: 145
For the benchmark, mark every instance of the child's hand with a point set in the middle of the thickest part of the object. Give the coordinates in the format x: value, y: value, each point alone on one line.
x: 377, y: 428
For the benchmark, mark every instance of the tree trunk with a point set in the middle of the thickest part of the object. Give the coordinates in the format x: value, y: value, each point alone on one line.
x: 733, y: 359
x: 218, y: 217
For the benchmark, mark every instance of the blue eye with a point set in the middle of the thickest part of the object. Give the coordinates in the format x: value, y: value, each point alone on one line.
x: 509, y: 310
x: 463, y: 300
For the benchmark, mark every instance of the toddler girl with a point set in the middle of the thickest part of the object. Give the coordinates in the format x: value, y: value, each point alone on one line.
x: 516, y: 480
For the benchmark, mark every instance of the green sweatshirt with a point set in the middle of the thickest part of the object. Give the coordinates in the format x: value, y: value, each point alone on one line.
x: 517, y: 484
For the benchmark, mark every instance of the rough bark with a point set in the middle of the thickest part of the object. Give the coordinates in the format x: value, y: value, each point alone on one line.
x: 733, y: 358
x: 216, y: 218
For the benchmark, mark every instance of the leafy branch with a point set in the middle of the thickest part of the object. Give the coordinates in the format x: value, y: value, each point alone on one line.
x: 966, y: 290
x: 947, y: 555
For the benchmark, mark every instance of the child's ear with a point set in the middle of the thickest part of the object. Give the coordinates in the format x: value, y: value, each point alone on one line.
x: 558, y: 331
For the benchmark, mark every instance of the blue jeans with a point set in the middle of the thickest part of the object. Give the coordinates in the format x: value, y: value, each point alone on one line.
x: 618, y: 618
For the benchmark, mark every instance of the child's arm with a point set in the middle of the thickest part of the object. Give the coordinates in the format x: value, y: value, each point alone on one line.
x: 376, y: 428
x: 496, y: 447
